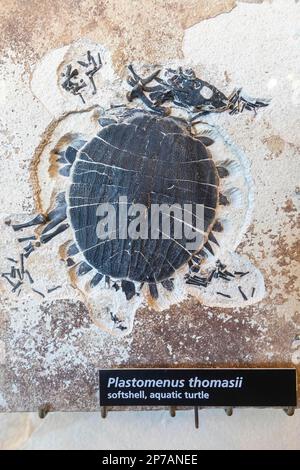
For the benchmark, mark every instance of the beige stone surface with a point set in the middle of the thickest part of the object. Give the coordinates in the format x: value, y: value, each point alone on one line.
x: 131, y: 29
x: 130, y: 430
x: 50, y: 350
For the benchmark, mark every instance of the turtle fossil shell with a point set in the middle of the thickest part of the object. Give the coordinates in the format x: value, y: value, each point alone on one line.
x: 151, y: 160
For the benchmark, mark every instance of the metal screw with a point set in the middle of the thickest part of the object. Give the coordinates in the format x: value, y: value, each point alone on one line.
x: 229, y: 410
x: 289, y: 411
x: 103, y: 411
x: 43, y: 410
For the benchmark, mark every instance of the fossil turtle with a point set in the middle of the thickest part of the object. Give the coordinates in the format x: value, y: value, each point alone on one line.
x: 151, y: 158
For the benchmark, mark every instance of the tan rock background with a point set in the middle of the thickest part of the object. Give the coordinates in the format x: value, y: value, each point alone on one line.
x: 132, y: 29
x: 254, y: 44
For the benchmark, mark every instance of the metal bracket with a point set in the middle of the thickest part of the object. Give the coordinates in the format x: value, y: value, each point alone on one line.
x: 196, y: 416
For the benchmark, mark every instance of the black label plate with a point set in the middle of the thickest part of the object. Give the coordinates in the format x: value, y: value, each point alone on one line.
x: 198, y: 387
